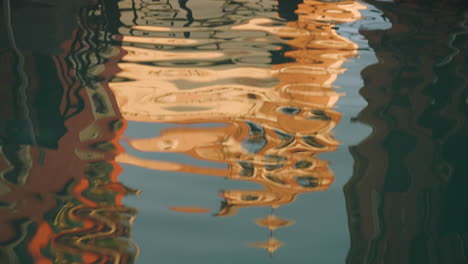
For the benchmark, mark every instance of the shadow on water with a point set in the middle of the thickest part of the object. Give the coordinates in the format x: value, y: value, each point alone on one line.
x: 407, y: 198
x: 60, y: 198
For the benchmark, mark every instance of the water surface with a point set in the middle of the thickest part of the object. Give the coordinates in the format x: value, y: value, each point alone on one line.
x: 225, y: 131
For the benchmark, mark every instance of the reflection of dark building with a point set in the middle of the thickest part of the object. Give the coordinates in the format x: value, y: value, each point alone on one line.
x: 407, y: 199
x: 37, y: 91
x: 287, y: 8
x: 60, y: 199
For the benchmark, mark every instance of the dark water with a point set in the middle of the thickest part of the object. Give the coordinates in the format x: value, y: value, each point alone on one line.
x: 248, y: 131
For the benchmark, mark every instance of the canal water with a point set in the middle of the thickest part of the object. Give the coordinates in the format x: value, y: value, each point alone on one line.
x: 233, y: 131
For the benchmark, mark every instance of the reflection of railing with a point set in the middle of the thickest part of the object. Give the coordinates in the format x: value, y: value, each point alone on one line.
x: 275, y: 119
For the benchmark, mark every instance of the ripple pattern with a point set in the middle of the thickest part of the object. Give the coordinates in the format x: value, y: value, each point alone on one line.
x: 267, y: 82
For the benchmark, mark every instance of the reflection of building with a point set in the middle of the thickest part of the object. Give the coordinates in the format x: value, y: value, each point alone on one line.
x: 60, y: 199
x: 275, y: 120
x: 407, y: 198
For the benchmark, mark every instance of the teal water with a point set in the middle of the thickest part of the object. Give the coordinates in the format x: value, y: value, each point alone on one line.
x: 217, y: 131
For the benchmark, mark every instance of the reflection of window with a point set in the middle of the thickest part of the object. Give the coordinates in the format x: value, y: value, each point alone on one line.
x: 256, y: 139
x: 289, y: 110
x: 270, y: 167
x: 285, y: 139
x: 317, y: 114
x: 308, y: 181
x: 247, y: 169
x: 311, y: 141
x: 303, y: 164
x: 275, y: 179
x: 249, y: 197
x: 274, y: 162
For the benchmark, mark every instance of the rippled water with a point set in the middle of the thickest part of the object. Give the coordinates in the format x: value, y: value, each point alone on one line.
x: 265, y: 87
x: 225, y: 131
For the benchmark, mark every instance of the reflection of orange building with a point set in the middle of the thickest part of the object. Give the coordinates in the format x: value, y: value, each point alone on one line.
x: 268, y: 131
x: 59, y: 193
x: 275, y: 120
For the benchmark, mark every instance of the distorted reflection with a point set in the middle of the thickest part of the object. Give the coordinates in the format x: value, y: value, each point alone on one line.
x: 273, y: 121
x: 60, y: 198
x: 406, y: 200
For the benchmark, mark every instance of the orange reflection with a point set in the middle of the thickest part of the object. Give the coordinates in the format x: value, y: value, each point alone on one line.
x: 271, y: 245
x: 190, y: 210
x: 274, y: 120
